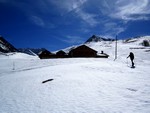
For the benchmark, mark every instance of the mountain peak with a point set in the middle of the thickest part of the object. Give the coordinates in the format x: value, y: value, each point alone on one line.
x: 5, y: 46
x: 95, y: 38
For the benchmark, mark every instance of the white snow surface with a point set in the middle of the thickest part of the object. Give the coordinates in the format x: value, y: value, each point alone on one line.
x: 79, y: 85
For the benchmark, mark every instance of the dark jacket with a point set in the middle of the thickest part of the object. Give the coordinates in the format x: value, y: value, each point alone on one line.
x: 131, y: 55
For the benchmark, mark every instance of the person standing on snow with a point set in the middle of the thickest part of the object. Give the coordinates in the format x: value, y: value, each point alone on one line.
x: 131, y: 55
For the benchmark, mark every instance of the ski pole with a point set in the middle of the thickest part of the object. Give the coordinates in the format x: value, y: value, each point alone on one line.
x: 127, y: 61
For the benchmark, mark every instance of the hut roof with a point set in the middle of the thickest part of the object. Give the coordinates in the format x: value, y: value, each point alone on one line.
x: 44, y: 51
x: 60, y: 52
x: 83, y: 47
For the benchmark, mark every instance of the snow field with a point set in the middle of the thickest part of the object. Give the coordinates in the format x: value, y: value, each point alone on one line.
x: 79, y: 86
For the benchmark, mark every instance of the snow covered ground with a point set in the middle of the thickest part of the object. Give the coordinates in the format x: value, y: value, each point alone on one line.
x: 80, y: 85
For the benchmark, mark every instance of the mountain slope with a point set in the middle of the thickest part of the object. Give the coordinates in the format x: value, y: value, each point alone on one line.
x: 108, y: 46
x: 143, y: 40
x: 5, y: 46
x: 31, y: 51
x: 95, y: 38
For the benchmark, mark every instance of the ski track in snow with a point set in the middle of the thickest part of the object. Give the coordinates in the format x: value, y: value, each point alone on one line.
x: 80, y: 85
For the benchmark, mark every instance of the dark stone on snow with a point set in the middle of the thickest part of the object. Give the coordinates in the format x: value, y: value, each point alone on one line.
x: 47, y: 80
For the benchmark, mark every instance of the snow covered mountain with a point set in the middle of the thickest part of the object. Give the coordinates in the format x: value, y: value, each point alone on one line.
x: 31, y: 51
x: 5, y: 46
x: 143, y: 40
x: 108, y: 45
x: 95, y: 38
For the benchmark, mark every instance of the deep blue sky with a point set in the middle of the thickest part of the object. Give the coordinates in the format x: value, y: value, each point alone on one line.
x: 57, y: 24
